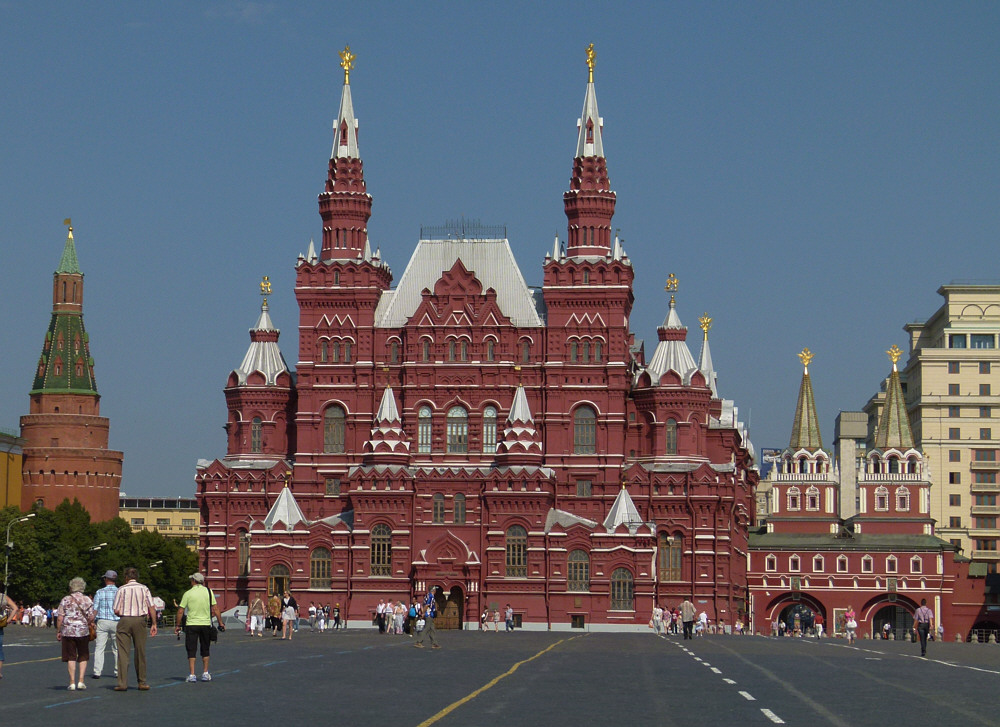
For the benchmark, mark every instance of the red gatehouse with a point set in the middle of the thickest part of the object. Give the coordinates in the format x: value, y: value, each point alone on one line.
x: 458, y: 429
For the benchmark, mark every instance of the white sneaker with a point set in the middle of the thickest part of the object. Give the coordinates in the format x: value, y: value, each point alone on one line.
x: 191, y: 678
x: 81, y: 686
x: 206, y: 677
x: 71, y: 687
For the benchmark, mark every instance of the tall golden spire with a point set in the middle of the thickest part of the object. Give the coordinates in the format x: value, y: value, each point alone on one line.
x: 805, y: 357
x: 705, y: 322
x: 805, y: 427
x: 347, y: 63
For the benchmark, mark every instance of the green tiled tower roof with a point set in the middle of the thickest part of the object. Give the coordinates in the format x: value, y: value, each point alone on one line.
x: 894, y: 430
x: 65, y: 366
x: 805, y: 429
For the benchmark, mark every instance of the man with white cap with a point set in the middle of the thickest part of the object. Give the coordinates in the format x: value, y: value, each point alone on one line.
x: 199, y: 605
x: 107, y: 623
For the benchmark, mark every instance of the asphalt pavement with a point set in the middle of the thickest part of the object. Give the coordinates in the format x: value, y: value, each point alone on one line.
x: 359, y: 677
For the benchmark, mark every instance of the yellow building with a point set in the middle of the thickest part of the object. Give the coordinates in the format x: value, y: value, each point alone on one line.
x: 176, y: 517
x: 952, y: 400
x: 11, y: 452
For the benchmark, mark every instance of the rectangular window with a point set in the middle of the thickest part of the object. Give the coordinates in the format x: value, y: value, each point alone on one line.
x: 954, y: 433
x: 138, y: 522
x: 584, y: 488
x: 954, y: 478
x: 954, y: 455
x: 982, y: 340
x: 986, y: 545
x: 955, y: 500
x: 954, y: 411
x: 162, y: 522
x: 956, y: 340
x: 954, y: 522
x: 986, y: 500
x: 984, y: 412
x: 984, y: 367
x: 984, y: 390
x: 984, y: 455
x: 985, y: 433
x: 332, y: 486
x: 188, y: 522
x: 953, y: 367
x: 985, y: 523
x: 953, y: 390
x: 985, y: 478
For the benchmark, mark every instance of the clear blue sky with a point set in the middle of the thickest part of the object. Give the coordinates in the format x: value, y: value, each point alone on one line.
x: 811, y: 172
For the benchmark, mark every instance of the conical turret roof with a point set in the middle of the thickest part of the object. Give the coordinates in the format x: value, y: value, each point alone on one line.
x: 805, y: 428
x: 263, y: 356
x: 623, y: 512
x: 894, y: 430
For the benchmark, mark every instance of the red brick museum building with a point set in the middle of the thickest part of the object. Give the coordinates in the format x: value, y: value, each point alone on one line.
x: 458, y: 429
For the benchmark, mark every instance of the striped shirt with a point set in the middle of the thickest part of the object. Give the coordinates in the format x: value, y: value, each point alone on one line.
x: 924, y: 615
x: 104, y: 602
x: 133, y: 599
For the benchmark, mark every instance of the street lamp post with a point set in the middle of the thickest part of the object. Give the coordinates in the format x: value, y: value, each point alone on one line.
x: 9, y: 545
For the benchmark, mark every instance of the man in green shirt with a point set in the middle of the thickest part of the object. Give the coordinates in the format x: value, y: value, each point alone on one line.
x: 198, y: 605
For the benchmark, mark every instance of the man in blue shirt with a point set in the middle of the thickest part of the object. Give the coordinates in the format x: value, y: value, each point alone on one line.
x: 430, y: 611
x: 107, y: 623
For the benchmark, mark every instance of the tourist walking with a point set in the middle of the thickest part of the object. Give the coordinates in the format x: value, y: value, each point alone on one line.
x: 429, y: 613
x: 107, y: 623
x: 923, y: 621
x: 687, y: 617
x: 133, y: 604
x: 274, y: 613
x: 508, y: 619
x: 657, y: 620
x: 7, y: 610
x: 73, y: 619
x: 289, y: 615
x: 851, y: 624
x: 256, y: 613
x: 496, y: 620
x: 198, y: 605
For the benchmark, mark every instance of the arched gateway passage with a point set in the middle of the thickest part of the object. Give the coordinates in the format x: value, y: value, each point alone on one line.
x: 450, y: 606
x: 899, y: 618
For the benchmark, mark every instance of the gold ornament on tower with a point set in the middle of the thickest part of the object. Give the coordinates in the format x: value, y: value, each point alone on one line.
x: 591, y: 62
x: 895, y: 353
x: 347, y: 63
x: 805, y: 357
x: 705, y: 322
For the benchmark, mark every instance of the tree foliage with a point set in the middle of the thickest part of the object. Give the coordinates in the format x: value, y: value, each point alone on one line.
x: 58, y: 545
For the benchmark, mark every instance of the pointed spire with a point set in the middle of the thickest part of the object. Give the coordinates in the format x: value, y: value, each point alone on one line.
x: 555, y: 248
x: 589, y: 204
x: 705, y: 358
x: 388, y: 442
x: 345, y: 205
x: 311, y: 252
x: 263, y: 356
x: 285, y: 510
x: 805, y: 428
x: 520, y: 442
x: 623, y: 512
x: 68, y: 264
x: 894, y: 430
x: 672, y: 352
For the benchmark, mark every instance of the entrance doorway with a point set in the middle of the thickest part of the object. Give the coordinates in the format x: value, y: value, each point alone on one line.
x: 277, y: 579
x: 450, y: 608
x: 798, y: 619
x: 898, y: 618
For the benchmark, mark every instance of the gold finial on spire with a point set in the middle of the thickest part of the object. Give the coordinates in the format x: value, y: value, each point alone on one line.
x: 69, y: 223
x: 265, y: 288
x: 895, y: 353
x: 347, y: 63
x: 705, y: 322
x: 671, y: 285
x: 806, y: 357
x: 591, y: 62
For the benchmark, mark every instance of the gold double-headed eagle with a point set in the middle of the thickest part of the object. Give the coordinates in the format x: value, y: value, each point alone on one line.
x: 347, y: 63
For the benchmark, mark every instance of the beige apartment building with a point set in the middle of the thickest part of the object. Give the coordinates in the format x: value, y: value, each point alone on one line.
x: 176, y: 517
x: 953, y: 398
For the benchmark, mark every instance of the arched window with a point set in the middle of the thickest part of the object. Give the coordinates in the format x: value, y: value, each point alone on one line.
x: 770, y: 564
x: 670, y: 436
x: 451, y: 350
x: 319, y: 568
x: 517, y: 552
x: 255, y: 435
x: 459, y: 509
x: 794, y: 564
x: 622, y: 590
x: 458, y: 430
x: 324, y: 351
x: 803, y: 465
x: 335, y: 352
x: 916, y: 565
x: 842, y: 564
x: 812, y: 498
x: 437, y: 514
x: 578, y: 571
x: 890, y: 564
x: 881, y: 498
x: 490, y: 429
x: 381, y: 559
x: 243, y: 552
x: 584, y: 431
x: 336, y: 277
x: 424, y: 429
x: 525, y: 351
x: 794, y: 498
x: 585, y: 352
x: 867, y: 564
x: 598, y: 354
x: 893, y: 465
x: 277, y: 579
x: 426, y: 350
x: 490, y: 350
x: 817, y: 564
x: 572, y: 351
x: 463, y: 350
x: 902, y: 499
x: 394, y: 352
x: 334, y: 428
x: 347, y: 351
x: 669, y: 558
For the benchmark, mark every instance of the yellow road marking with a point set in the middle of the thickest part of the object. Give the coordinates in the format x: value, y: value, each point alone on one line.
x: 490, y: 684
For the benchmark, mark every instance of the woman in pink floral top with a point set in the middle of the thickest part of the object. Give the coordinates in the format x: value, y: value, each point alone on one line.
x: 73, y: 619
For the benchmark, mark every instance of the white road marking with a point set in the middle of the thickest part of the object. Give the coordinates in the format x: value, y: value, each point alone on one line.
x: 697, y: 658
x: 772, y: 716
x: 728, y: 681
x: 748, y: 696
x: 717, y: 671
